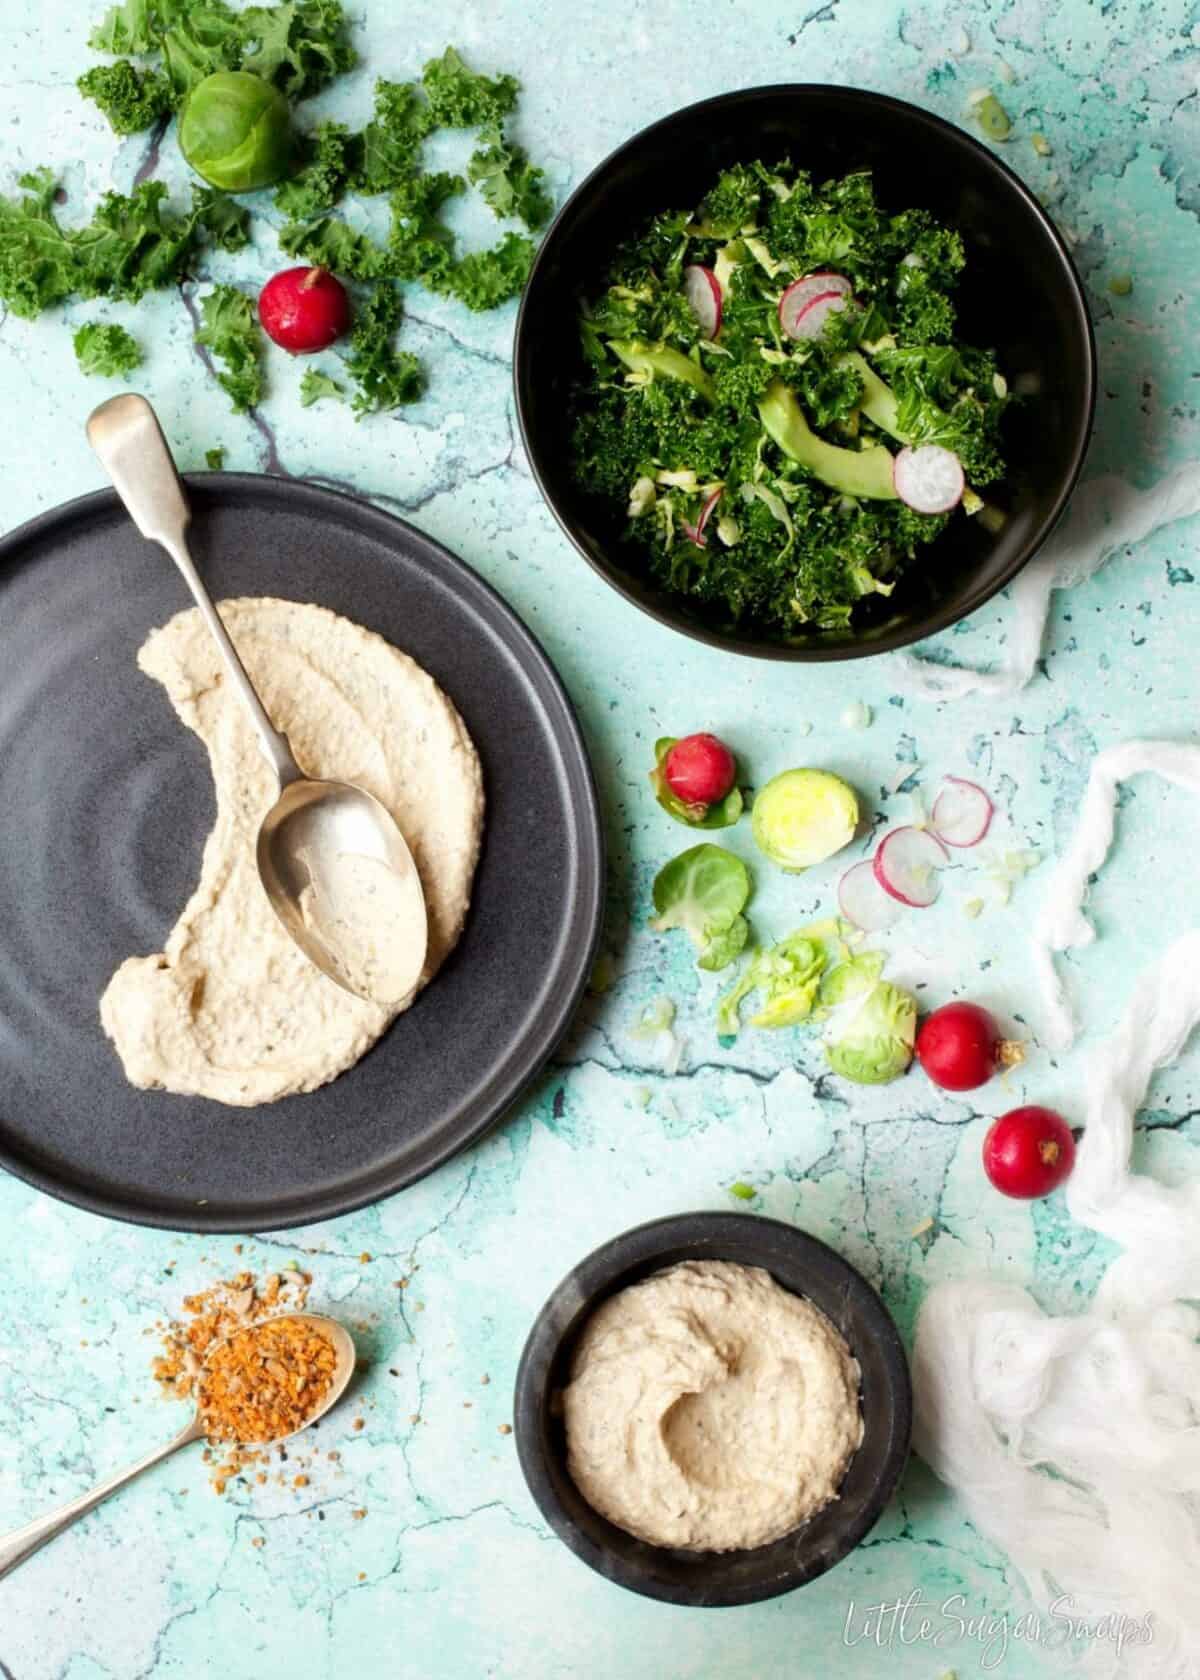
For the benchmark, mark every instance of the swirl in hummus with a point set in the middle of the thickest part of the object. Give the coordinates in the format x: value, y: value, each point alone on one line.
x: 709, y: 1409
x: 231, y: 1009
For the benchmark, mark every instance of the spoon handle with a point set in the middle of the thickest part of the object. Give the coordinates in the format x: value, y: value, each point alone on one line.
x: 23, y: 1542
x: 127, y: 437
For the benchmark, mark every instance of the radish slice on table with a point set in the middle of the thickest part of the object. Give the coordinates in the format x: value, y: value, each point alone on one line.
x: 962, y: 813
x: 801, y: 293
x: 908, y: 864
x: 704, y: 298
x: 863, y: 901
x: 930, y: 478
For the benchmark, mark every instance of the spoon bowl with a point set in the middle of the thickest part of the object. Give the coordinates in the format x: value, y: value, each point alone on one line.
x: 344, y: 1360
x: 333, y: 863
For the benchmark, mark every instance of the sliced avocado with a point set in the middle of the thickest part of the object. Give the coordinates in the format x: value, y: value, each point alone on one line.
x: 878, y: 398
x: 659, y: 361
x: 855, y: 473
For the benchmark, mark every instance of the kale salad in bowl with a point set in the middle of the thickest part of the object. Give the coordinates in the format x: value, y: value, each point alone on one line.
x: 778, y: 401
x: 804, y: 372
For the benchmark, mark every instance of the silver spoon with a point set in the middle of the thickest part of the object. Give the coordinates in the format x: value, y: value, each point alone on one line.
x: 313, y: 824
x: 23, y: 1542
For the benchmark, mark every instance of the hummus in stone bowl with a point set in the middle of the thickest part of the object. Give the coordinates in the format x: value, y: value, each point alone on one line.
x: 713, y: 1409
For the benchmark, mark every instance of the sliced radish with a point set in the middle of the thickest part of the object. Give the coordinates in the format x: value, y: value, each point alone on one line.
x: 706, y: 513
x: 704, y: 298
x: 908, y: 864
x: 811, y: 323
x: 930, y: 478
x: 801, y: 293
x: 863, y: 901
x: 693, y: 533
x: 962, y: 813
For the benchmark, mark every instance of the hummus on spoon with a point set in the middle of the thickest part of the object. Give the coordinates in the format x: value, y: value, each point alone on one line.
x: 710, y: 1409
x: 231, y: 1008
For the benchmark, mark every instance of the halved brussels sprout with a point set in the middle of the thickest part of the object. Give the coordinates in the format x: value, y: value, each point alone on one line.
x: 803, y: 817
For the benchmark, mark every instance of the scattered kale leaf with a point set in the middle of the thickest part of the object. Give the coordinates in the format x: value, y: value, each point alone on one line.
x: 130, y: 98
x: 386, y: 377
x: 462, y: 98
x: 230, y: 332
x: 507, y: 180
x: 315, y: 386
x: 106, y: 349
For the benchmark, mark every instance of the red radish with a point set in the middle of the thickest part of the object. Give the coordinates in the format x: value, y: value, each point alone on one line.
x: 801, y: 293
x: 704, y: 298
x: 695, y: 533
x: 699, y: 769
x: 304, y: 309
x: 961, y: 1047
x: 692, y: 533
x: 962, y: 813
x: 811, y: 324
x: 930, y: 478
x: 1028, y: 1152
x: 908, y: 864
x: 863, y: 901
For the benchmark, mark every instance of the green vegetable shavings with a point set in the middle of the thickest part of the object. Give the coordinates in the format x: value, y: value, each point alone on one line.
x: 386, y: 377
x: 723, y: 813
x: 704, y: 891
x: 801, y: 435
x: 872, y: 1024
x: 992, y: 118
x: 130, y: 98
x: 657, y: 1017
x: 460, y: 98
x: 743, y: 1192
x: 507, y: 180
x: 229, y: 330
x: 131, y: 246
x: 106, y: 349
x: 315, y: 386
x: 1121, y: 285
x: 787, y: 976
x: 214, y: 459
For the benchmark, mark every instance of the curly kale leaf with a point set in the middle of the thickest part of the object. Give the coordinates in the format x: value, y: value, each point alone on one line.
x: 220, y: 219
x: 315, y: 386
x: 507, y: 180
x: 229, y: 331
x: 420, y: 246
x: 386, y: 377
x: 389, y: 147
x: 950, y: 397
x: 130, y: 98
x: 105, y: 348
x: 460, y: 98
x: 486, y: 279
x: 333, y: 244
x: 320, y: 181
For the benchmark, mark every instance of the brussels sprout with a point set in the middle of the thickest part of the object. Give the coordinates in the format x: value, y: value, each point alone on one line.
x: 787, y: 974
x: 235, y: 131
x: 803, y: 816
x: 872, y: 1025
x: 704, y: 891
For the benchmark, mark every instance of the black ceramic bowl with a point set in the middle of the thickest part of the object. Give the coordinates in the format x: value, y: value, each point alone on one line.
x: 797, y: 1262
x: 1019, y: 294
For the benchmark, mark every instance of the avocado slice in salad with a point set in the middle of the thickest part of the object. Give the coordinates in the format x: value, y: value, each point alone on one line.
x: 659, y: 361
x: 878, y: 399
x: 866, y: 472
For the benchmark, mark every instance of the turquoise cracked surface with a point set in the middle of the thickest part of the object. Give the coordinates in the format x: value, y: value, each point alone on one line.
x: 451, y: 1573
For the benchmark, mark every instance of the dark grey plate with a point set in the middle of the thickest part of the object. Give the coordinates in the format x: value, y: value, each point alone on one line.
x: 105, y: 802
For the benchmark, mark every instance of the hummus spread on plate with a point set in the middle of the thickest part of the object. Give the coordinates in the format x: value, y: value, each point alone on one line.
x: 232, y: 1009
x: 710, y: 1409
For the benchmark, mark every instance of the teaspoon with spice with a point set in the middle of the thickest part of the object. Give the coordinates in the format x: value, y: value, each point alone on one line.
x: 257, y: 1387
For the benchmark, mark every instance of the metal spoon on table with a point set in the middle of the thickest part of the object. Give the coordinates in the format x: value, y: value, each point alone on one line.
x: 23, y: 1542
x: 313, y: 823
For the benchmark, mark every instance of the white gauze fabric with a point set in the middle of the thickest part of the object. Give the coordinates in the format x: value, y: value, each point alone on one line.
x: 1075, y: 1442
x: 1106, y: 514
x: 1061, y: 923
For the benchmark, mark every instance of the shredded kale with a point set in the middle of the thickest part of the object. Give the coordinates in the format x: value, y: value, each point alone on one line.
x: 315, y: 386
x: 229, y: 330
x: 663, y: 420
x: 106, y: 348
x: 386, y: 377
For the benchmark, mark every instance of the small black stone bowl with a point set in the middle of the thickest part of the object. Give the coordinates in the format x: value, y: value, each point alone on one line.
x: 798, y: 1263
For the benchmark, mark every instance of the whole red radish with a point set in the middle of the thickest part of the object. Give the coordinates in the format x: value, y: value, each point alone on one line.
x: 960, y: 1047
x: 699, y: 769
x: 1028, y: 1152
x: 304, y: 309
